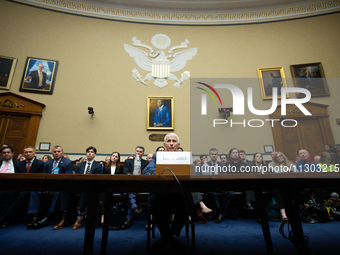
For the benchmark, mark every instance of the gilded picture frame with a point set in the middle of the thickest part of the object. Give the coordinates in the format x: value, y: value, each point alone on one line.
x: 35, y: 83
x: 310, y: 76
x: 7, y: 67
x: 270, y: 78
x: 160, y: 113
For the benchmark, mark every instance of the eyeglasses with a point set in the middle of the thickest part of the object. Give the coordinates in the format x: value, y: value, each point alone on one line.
x: 280, y: 156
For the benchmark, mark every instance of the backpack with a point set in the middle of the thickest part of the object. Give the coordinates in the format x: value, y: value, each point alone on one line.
x: 335, y: 213
x: 118, y: 215
x: 314, y: 212
x: 273, y: 211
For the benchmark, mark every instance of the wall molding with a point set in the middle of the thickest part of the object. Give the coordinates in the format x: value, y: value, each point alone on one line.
x: 110, y: 13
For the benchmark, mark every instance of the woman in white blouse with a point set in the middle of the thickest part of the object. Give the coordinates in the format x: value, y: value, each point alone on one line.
x: 113, y: 166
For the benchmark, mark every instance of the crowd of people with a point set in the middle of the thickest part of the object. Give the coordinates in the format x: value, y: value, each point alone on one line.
x: 233, y: 162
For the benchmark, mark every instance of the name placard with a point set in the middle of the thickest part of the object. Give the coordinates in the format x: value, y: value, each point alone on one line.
x: 174, y: 157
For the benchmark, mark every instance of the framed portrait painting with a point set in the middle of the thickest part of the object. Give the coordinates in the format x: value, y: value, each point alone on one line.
x: 312, y: 77
x: 160, y: 111
x: 270, y: 78
x: 7, y: 66
x: 39, y: 75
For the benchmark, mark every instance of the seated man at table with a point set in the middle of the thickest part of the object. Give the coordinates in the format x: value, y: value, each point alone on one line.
x: 30, y: 165
x: 161, y: 203
x: 129, y: 165
x: 57, y: 165
x: 7, y: 166
x: 243, y: 157
x: 216, y: 168
x: 203, y: 158
x: 223, y: 158
x: 90, y: 166
x: 305, y: 165
x: 149, y: 157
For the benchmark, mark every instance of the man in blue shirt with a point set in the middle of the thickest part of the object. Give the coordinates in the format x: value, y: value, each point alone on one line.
x: 305, y: 165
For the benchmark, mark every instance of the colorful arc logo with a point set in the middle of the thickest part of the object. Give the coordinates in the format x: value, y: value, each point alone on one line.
x: 209, y: 93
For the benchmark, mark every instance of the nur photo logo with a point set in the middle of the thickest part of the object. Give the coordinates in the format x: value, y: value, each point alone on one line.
x: 238, y: 99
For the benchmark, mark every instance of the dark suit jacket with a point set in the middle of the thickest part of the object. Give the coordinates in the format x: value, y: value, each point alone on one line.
x: 34, y: 84
x: 129, y: 164
x: 65, y: 166
x: 220, y: 165
x: 96, y: 168
x: 36, y: 167
x: 17, y: 170
x: 304, y: 81
x: 118, y: 170
x: 276, y: 83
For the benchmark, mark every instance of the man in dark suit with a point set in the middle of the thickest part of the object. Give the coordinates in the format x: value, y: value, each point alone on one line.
x: 305, y: 81
x: 38, y: 78
x: 57, y: 165
x: 275, y: 82
x: 161, y: 203
x: 217, y: 168
x: 7, y: 165
x: 128, y: 169
x: 30, y: 165
x: 129, y: 163
x: 90, y: 166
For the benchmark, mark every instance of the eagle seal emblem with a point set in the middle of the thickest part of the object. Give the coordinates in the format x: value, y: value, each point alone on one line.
x: 160, y: 64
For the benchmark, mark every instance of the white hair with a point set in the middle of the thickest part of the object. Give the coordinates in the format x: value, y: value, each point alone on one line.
x: 173, y: 134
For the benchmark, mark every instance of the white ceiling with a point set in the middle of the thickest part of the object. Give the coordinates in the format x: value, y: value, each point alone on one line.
x: 199, y: 6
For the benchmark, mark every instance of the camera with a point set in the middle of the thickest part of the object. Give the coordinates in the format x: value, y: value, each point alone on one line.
x: 90, y: 110
x: 225, y: 112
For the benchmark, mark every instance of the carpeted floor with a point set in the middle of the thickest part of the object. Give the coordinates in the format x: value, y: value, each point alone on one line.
x: 243, y: 236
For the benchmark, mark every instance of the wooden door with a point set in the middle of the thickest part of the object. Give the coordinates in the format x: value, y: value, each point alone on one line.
x: 19, y: 121
x: 14, y: 130
x: 307, y: 134
x: 312, y: 136
x: 312, y: 132
x: 291, y: 140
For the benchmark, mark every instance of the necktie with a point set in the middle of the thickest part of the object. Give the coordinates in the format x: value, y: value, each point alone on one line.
x: 87, y: 171
x: 40, y: 79
x: 5, y: 168
x: 55, y: 164
x: 28, y: 167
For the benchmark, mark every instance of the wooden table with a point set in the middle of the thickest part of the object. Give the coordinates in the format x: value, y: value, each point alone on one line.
x: 95, y: 184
